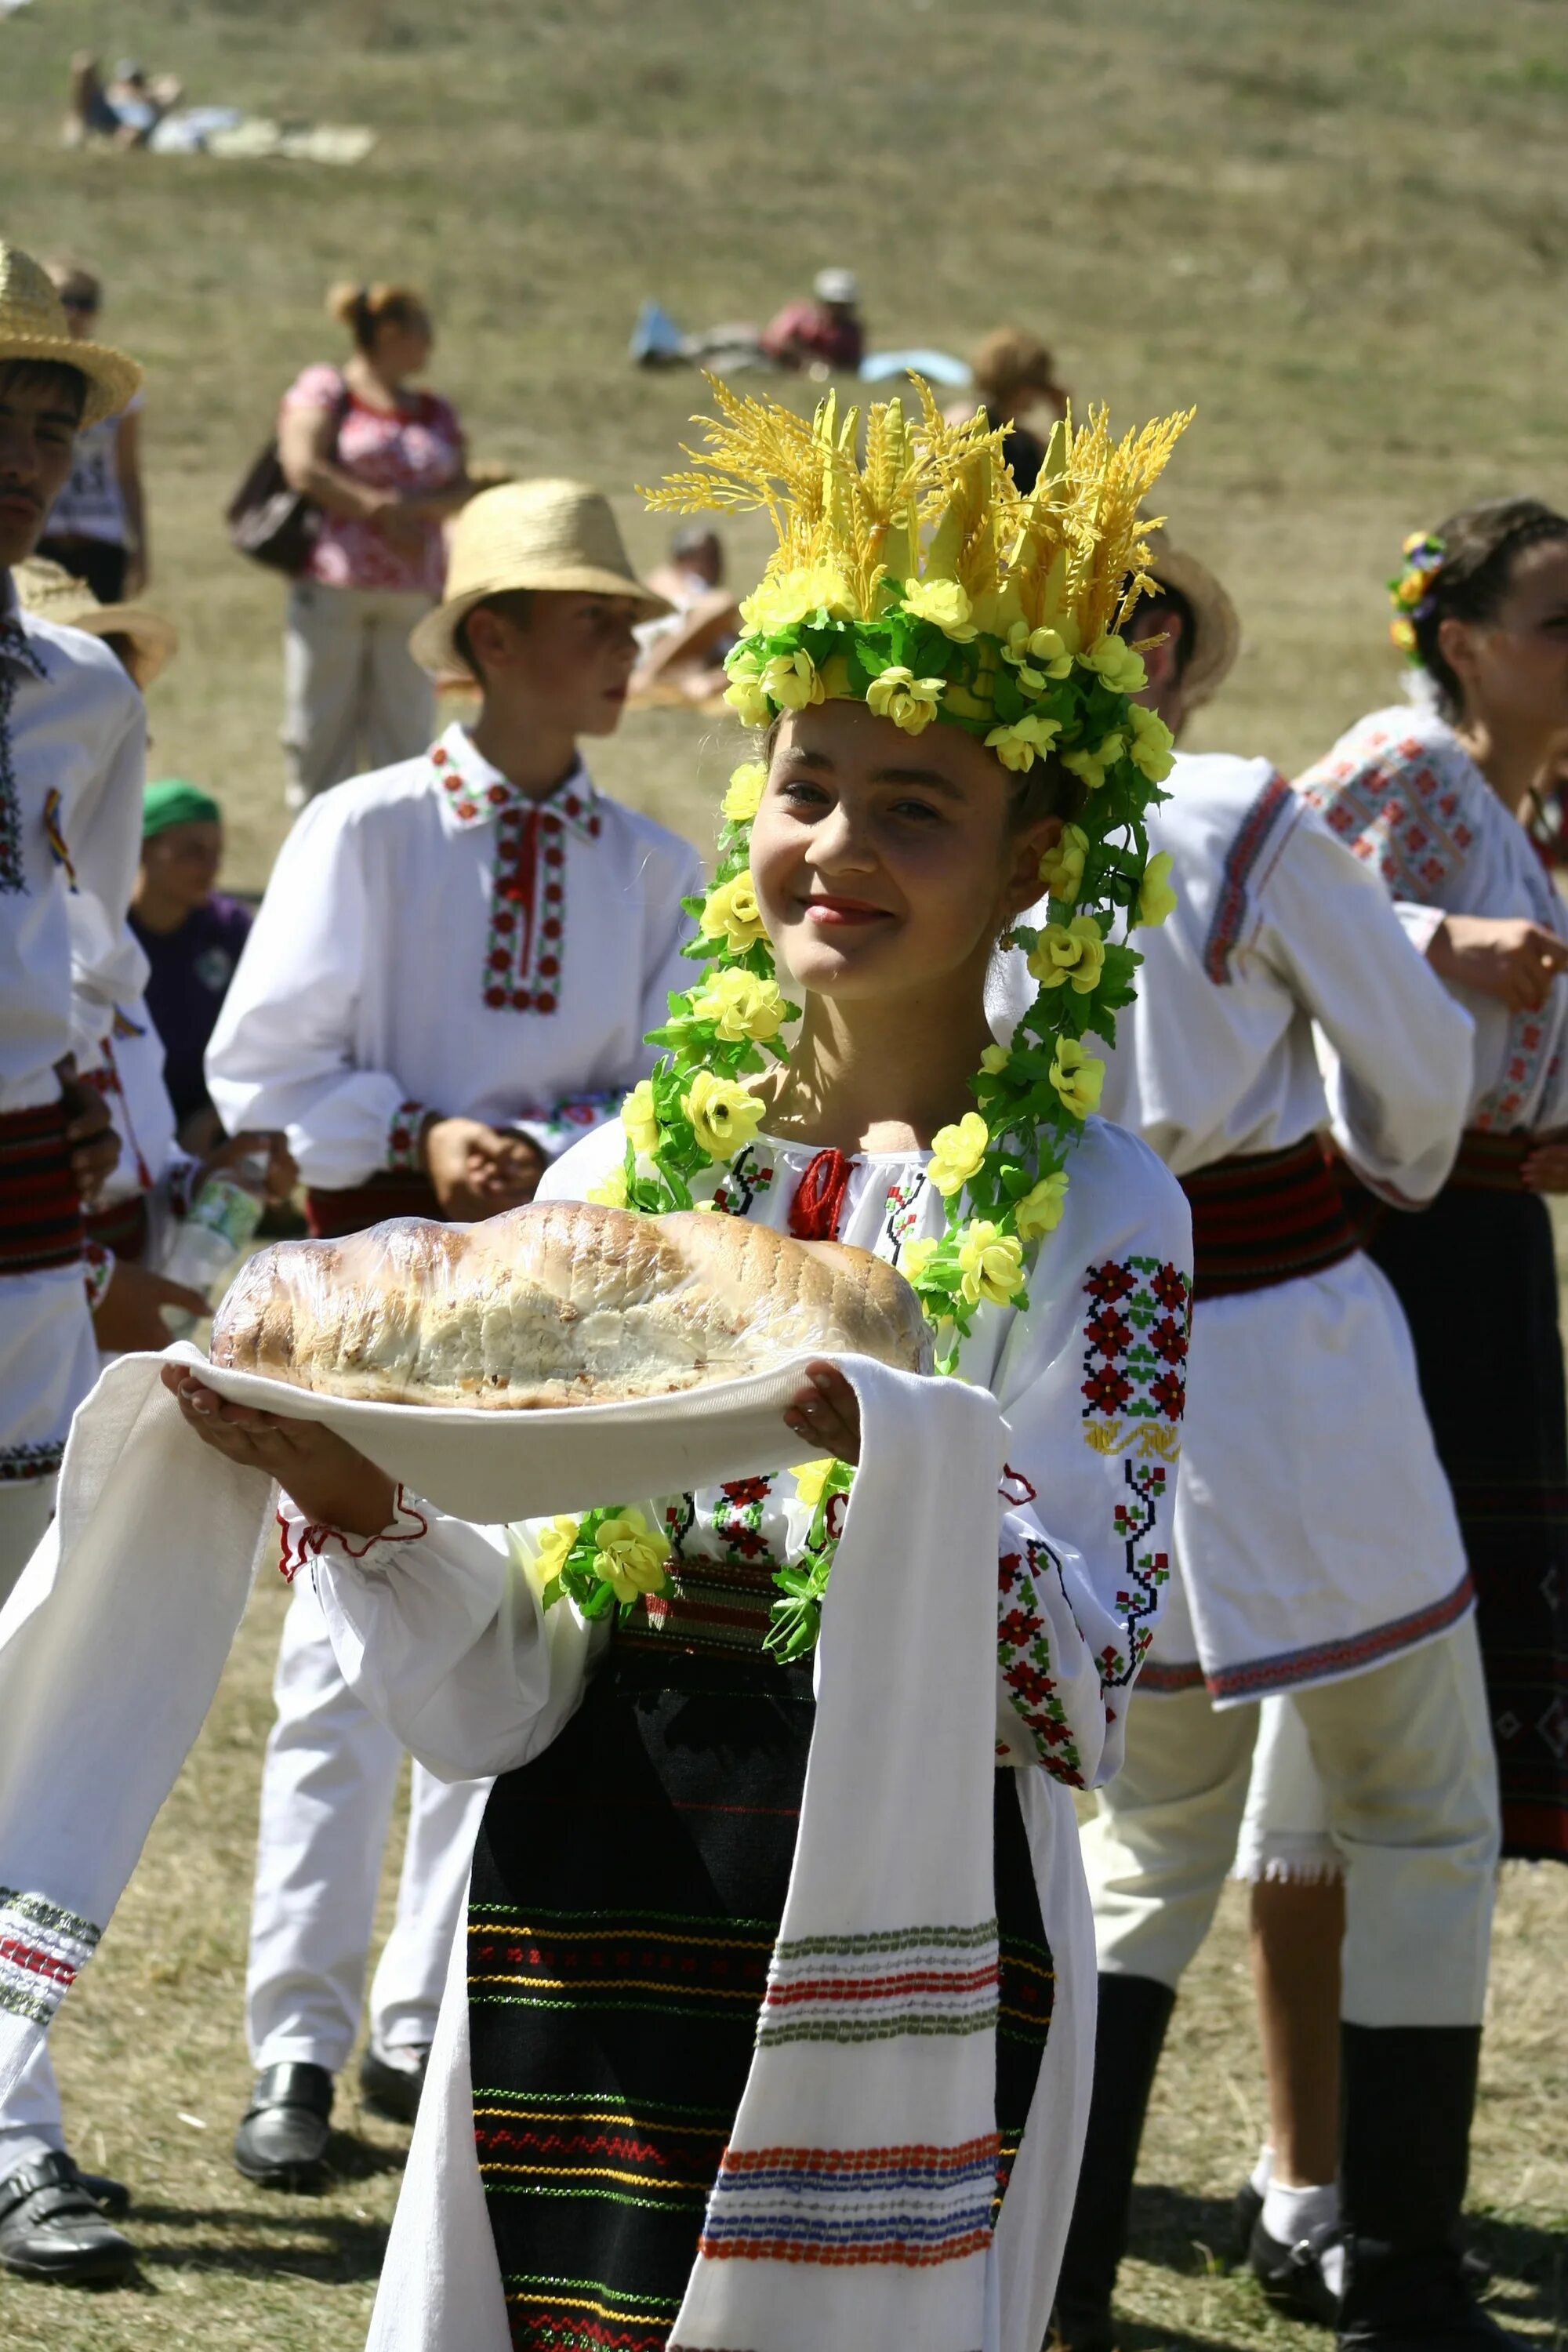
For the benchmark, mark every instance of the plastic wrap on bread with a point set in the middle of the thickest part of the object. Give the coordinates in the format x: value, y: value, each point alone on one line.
x: 558, y: 1304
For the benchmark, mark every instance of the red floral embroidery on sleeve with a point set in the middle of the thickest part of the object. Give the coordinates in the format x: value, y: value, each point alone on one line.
x: 313, y: 1538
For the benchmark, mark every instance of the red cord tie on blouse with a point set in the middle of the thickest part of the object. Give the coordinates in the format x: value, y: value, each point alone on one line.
x: 818, y: 1203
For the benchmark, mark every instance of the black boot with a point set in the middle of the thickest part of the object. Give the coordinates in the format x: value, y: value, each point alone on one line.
x: 1133, y: 2014
x: 1407, y: 2095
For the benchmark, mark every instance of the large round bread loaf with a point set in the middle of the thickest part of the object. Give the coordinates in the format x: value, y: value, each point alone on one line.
x: 557, y: 1305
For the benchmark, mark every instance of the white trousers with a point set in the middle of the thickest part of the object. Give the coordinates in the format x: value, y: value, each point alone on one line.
x: 355, y: 697
x: 327, y: 1792
x: 1405, y: 1758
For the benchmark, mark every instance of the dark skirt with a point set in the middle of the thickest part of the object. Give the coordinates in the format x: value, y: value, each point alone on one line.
x: 1476, y: 1275
x: 627, y: 1889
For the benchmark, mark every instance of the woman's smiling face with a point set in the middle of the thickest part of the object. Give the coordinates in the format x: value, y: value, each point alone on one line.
x: 885, y: 864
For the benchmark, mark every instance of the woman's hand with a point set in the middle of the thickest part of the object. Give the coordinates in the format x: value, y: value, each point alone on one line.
x: 281, y: 1175
x: 826, y: 1413
x: 89, y: 1131
x: 333, y: 1483
x: 128, y: 1318
x: 1546, y: 1170
x: 477, y: 1169
x: 1505, y: 957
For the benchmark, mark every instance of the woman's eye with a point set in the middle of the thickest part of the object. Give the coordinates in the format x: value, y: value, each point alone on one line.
x: 802, y: 795
x: 921, y: 812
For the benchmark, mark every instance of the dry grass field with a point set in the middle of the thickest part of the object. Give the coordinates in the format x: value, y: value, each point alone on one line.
x: 1338, y: 226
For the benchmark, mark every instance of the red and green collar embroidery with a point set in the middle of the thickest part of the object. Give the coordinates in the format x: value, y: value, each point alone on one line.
x: 527, y: 937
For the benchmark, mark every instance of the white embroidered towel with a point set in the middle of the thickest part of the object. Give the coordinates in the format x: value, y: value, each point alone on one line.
x: 852, y: 2208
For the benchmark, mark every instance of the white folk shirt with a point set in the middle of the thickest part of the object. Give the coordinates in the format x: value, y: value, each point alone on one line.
x: 1314, y: 1533
x: 1402, y: 791
x: 72, y: 743
x: 433, y: 940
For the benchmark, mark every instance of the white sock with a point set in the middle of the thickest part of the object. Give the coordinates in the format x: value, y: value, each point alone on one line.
x: 1263, y: 2171
x: 1291, y: 2214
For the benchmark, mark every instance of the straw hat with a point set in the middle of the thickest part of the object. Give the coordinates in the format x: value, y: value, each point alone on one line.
x: 51, y: 593
x: 1217, y: 625
x: 548, y: 535
x: 33, y: 327
x: 840, y: 287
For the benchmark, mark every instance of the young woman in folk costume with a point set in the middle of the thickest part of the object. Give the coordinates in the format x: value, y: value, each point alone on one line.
x: 944, y: 678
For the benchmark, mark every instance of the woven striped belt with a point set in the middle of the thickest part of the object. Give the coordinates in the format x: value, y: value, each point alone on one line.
x: 388, y: 1195
x: 40, y: 1209
x: 1265, y: 1219
x: 122, y: 1228
x: 1492, y: 1163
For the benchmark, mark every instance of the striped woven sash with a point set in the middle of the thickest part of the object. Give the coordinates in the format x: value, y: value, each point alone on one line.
x: 1491, y: 1163
x: 123, y: 1228
x: 1265, y: 1219
x: 40, y: 1209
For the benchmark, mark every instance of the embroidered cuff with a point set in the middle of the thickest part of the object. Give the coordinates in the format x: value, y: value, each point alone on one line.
x: 554, y: 1131
x: 403, y: 1138
x: 303, y: 1540
x: 97, y: 1272
x: 1024, y: 1663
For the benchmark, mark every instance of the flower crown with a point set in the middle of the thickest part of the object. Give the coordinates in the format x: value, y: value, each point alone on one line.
x: 1411, y: 589
x: 918, y: 580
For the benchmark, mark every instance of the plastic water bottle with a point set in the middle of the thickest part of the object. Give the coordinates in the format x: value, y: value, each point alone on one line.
x: 215, y: 1235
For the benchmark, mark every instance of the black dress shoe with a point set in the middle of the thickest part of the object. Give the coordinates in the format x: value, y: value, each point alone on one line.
x: 110, y: 2197
x: 1292, y: 2277
x: 390, y: 2081
x: 50, y: 2228
x: 282, y: 2142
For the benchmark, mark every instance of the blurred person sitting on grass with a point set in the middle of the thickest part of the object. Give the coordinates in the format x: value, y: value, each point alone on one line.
x: 824, y: 336
x: 191, y: 937
x: 387, y: 465
x: 682, y: 655
x: 1016, y: 377
x: 97, y: 528
x: 125, y: 109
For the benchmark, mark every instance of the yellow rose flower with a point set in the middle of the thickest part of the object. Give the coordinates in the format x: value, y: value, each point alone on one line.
x: 1077, y: 1077
x: 1413, y: 587
x: 1061, y: 868
x: 1153, y: 747
x: 730, y: 912
x: 957, y: 1152
x: 745, y: 692
x: 1073, y: 952
x: 610, y: 1192
x: 1048, y: 648
x: 990, y: 1263
x: 1040, y: 1211
x: 747, y: 785
x: 810, y: 1478
x: 640, y: 1120
x: 1114, y: 661
x: 915, y: 1258
x: 944, y: 602
x: 630, y: 1555
x: 790, y: 680
x: 553, y: 1543
x: 741, y: 1006
x: 1155, y: 898
x: 724, y: 1116
x: 909, y: 701
x: 994, y: 1060
x: 1402, y: 632
x: 790, y: 596
x: 1019, y: 746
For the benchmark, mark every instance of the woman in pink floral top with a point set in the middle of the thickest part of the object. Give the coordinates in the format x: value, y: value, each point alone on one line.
x: 387, y: 465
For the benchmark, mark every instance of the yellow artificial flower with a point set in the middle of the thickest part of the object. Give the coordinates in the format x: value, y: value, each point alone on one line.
x: 1402, y: 632
x: 790, y: 596
x: 1061, y: 868
x: 1040, y: 1211
x: 630, y: 1555
x: 1019, y: 746
x: 990, y: 1263
x: 555, y: 1542
x: 915, y: 1258
x: 909, y: 701
x: 994, y: 1060
x: 1114, y: 661
x: 724, y: 1116
x: 1155, y: 898
x: 1091, y: 766
x: 1073, y: 952
x: 747, y: 784
x: 1077, y: 1077
x: 1413, y: 587
x: 640, y: 1120
x: 1048, y: 648
x: 1152, y: 749
x: 790, y: 680
x: 957, y: 1152
x: 741, y: 1005
x: 810, y: 1478
x: 745, y: 692
x: 730, y: 912
x: 945, y: 602
x: 610, y: 1192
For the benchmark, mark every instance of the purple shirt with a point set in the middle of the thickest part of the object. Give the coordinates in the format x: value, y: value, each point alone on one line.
x: 192, y: 968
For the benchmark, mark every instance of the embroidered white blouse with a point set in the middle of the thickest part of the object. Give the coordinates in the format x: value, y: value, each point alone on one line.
x: 437, y: 1626
x: 432, y: 940
x: 1402, y: 791
x: 72, y: 735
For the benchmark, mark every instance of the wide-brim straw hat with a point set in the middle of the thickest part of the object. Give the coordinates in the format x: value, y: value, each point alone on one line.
x: 52, y: 594
x: 561, y: 537
x: 1216, y: 625
x: 32, y: 326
